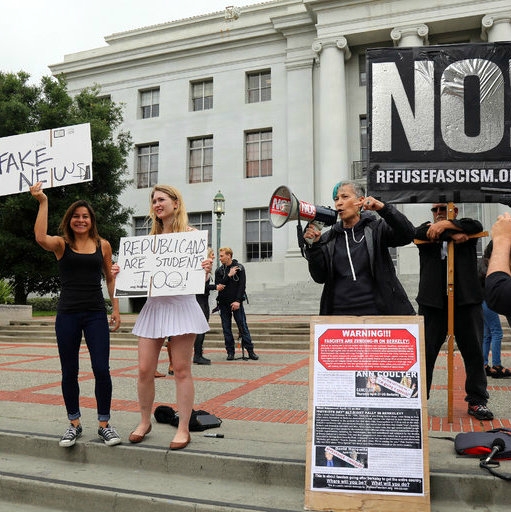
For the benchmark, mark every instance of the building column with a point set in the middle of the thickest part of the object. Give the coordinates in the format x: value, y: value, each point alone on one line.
x: 407, y: 262
x: 413, y: 35
x: 332, y: 162
x: 496, y: 27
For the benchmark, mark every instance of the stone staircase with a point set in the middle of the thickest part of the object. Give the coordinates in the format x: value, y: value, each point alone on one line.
x: 43, y: 477
x: 287, y: 334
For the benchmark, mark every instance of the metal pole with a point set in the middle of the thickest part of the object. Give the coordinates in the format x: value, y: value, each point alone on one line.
x: 218, y: 237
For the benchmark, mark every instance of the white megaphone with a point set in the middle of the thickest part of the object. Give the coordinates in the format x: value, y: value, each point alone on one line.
x: 284, y: 206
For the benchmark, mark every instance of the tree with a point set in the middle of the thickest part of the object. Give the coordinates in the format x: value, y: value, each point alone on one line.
x: 26, y: 108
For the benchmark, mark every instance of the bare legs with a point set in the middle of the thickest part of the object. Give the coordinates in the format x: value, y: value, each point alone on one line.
x: 148, y: 355
x: 182, y: 353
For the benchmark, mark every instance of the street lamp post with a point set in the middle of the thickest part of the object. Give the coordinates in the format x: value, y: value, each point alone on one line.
x: 219, y: 210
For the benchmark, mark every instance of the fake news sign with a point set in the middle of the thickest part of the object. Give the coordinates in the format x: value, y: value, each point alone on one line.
x: 60, y: 156
x: 161, y: 265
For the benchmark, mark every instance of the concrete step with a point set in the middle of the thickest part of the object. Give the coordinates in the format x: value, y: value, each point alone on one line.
x: 291, y: 335
x: 36, y: 475
x: 90, y: 476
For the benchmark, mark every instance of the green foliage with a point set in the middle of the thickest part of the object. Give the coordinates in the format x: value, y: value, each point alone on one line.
x: 26, y: 108
x: 5, y: 292
x: 43, y: 303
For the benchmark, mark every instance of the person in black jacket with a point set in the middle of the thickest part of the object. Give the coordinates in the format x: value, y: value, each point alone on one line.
x: 230, y: 281
x: 352, y: 259
x: 468, y: 297
x: 203, y: 300
x: 498, y: 278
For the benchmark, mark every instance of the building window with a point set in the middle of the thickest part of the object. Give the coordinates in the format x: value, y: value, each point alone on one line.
x: 141, y: 225
x: 147, y: 165
x: 203, y: 221
x: 150, y: 103
x: 202, y: 95
x: 259, y: 86
x: 258, y: 235
x: 364, y: 146
x: 201, y: 160
x: 362, y: 75
x: 258, y: 149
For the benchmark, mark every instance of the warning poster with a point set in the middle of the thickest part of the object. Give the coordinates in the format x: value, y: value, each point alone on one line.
x: 366, y: 410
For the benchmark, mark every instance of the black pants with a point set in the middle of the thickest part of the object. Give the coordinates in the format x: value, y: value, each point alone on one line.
x: 203, y: 301
x: 468, y: 333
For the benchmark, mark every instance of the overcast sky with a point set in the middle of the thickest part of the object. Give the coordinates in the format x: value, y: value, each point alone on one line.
x: 36, y: 33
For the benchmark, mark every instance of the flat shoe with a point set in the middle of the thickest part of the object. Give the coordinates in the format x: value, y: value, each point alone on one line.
x: 179, y: 446
x: 138, y: 438
x: 157, y: 375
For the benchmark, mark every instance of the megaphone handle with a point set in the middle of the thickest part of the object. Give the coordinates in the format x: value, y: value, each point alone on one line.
x: 318, y: 225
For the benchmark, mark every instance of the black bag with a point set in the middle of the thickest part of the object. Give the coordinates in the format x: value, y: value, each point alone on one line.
x: 199, y: 420
x: 479, y: 444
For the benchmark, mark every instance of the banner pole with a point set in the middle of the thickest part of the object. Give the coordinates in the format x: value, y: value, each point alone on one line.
x: 450, y: 319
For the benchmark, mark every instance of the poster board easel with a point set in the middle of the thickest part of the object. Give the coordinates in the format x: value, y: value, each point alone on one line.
x: 343, y: 500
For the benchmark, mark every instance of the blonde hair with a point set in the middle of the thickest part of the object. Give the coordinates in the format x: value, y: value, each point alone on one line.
x: 211, y: 252
x: 227, y: 250
x: 180, y: 217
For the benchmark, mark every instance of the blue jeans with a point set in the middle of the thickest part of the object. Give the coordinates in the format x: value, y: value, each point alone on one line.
x: 94, y: 326
x: 226, y: 315
x: 492, y: 336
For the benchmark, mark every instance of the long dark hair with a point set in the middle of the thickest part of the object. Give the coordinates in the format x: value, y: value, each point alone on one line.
x: 65, y: 224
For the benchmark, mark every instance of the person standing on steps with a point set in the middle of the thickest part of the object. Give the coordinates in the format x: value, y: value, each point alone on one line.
x: 83, y: 257
x: 468, y: 296
x: 203, y: 300
x: 230, y: 282
x: 177, y: 317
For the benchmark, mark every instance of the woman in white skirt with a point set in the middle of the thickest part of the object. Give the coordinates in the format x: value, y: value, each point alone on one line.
x: 178, y: 317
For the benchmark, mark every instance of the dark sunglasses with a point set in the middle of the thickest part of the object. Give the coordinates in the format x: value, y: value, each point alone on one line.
x: 436, y: 209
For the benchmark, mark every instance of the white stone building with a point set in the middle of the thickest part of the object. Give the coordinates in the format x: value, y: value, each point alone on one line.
x: 253, y: 97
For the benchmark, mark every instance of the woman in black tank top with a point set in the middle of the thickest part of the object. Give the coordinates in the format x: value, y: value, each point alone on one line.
x: 83, y: 258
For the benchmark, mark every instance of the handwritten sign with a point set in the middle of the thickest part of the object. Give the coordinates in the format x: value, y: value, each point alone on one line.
x: 161, y: 265
x: 60, y: 156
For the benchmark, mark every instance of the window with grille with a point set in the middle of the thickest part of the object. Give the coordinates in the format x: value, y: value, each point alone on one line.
x: 141, y: 225
x: 362, y: 75
x: 259, y: 86
x: 258, y: 150
x: 202, y: 95
x: 258, y: 235
x: 150, y: 103
x: 147, y: 165
x: 201, y: 160
x: 203, y: 222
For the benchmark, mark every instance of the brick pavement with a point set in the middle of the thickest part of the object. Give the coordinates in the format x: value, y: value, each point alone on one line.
x: 271, y: 390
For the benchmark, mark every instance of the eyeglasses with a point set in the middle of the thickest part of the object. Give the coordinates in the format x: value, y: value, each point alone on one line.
x: 437, y: 209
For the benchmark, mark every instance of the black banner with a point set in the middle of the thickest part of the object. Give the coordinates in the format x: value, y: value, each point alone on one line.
x: 439, y: 121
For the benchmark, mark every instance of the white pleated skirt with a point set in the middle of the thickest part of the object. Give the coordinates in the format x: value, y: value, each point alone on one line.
x: 170, y: 316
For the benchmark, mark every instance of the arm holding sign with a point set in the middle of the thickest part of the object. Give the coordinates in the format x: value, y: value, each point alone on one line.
x: 54, y: 244
x: 115, y: 317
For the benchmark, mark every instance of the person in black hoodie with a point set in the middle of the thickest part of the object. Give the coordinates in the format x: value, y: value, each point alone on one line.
x: 468, y: 297
x: 352, y: 259
x: 230, y: 281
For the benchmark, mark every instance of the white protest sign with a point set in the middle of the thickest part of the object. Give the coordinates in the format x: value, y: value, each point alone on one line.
x: 161, y: 265
x: 60, y: 156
